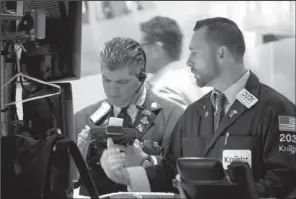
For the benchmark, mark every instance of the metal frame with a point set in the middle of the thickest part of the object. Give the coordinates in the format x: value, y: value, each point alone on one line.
x: 2, y: 128
x: 7, y: 72
x: 10, y: 17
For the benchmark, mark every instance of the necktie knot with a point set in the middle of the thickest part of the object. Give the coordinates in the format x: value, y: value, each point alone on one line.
x: 123, y: 111
x: 127, y: 120
x: 220, y: 99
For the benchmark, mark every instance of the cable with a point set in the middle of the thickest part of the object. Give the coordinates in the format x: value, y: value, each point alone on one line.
x: 97, y: 148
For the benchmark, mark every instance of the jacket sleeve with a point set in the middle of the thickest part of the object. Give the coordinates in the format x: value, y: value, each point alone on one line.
x: 170, y: 122
x: 81, y: 118
x: 80, y: 121
x: 159, y: 178
x: 172, y: 95
x: 279, y: 147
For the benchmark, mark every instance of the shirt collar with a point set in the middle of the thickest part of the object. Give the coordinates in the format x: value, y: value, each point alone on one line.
x: 140, y: 101
x: 230, y: 92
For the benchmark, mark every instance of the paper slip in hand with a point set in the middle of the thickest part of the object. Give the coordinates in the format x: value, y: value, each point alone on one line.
x: 114, y: 121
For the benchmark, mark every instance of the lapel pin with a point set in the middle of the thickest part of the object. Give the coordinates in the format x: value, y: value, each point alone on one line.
x: 155, y: 144
x: 154, y: 105
x: 232, y: 113
x: 144, y: 120
x: 140, y: 128
x: 146, y: 112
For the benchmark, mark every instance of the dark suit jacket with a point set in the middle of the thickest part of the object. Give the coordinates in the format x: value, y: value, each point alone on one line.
x: 158, y: 131
x: 264, y: 129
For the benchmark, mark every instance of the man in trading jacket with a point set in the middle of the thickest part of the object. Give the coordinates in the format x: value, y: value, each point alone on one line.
x: 240, y: 117
x: 123, y: 65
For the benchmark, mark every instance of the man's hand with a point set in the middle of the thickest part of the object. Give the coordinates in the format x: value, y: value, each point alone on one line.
x: 134, y: 155
x: 113, y: 162
x: 83, y: 139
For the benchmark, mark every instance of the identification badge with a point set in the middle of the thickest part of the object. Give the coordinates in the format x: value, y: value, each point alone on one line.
x: 232, y: 155
x: 101, y: 112
x: 246, y: 98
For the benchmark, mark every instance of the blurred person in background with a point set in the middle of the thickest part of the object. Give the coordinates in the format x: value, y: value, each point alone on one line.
x: 123, y: 64
x: 162, y: 41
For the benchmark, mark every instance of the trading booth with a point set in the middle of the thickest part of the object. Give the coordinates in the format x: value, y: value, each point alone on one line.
x: 40, y: 55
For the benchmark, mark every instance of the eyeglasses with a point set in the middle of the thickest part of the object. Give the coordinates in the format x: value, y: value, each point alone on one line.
x: 147, y: 43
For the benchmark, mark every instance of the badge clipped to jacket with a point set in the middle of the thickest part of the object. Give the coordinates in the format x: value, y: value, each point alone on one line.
x: 101, y: 112
x: 246, y: 98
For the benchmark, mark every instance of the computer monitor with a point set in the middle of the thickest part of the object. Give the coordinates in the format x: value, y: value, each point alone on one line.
x: 54, y: 52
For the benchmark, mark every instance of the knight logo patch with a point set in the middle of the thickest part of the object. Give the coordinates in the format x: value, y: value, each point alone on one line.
x: 236, y: 155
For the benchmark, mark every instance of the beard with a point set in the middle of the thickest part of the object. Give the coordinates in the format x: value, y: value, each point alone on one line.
x: 205, y: 77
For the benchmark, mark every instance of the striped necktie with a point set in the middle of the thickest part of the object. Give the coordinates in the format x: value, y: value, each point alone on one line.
x: 219, y: 114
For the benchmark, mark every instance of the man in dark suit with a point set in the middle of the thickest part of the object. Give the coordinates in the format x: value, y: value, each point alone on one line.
x: 128, y: 97
x: 241, y: 117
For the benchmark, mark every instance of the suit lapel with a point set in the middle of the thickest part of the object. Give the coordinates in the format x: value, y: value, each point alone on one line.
x: 226, y: 122
x: 147, y: 114
x: 235, y: 111
x: 206, y: 112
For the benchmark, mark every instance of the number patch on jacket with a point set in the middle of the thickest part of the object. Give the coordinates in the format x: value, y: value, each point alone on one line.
x: 288, y: 138
x: 287, y: 143
x: 246, y: 98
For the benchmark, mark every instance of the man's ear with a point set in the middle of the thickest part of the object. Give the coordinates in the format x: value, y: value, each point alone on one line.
x: 137, y: 70
x: 222, y: 54
x: 157, y: 50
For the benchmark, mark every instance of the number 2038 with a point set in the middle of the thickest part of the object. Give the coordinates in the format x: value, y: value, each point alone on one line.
x: 287, y: 138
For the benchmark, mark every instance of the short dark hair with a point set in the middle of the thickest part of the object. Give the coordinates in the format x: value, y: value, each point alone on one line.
x: 225, y: 32
x: 121, y: 51
x: 167, y: 31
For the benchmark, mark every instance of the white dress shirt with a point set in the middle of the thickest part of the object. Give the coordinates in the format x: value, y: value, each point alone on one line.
x: 132, y: 110
x: 231, y: 92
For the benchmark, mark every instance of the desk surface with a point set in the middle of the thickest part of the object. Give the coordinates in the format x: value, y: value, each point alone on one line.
x: 128, y: 195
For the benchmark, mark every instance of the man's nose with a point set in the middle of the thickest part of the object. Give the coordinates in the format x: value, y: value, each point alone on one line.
x: 189, y: 63
x: 113, y: 89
